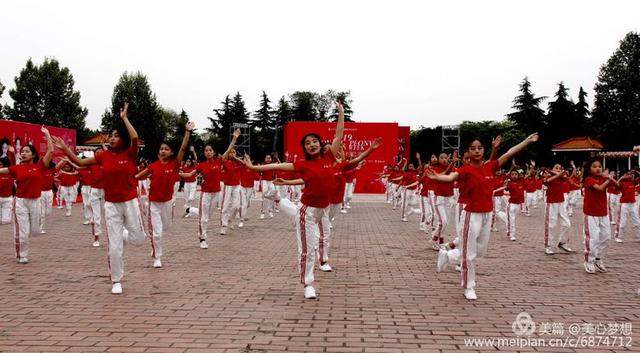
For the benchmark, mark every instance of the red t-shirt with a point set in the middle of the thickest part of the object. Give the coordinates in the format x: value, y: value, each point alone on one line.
x: 498, y: 182
x: 409, y: 177
x: 463, y: 192
x: 479, y: 184
x: 247, y: 177
x: 97, y: 175
x: 565, y: 186
x: 574, y: 184
x: 119, y: 170
x: 47, y: 179
x: 530, y: 185
x: 441, y: 188
x: 613, y: 189
x: 268, y: 175
x: 162, y: 180
x: 350, y: 175
x: 85, y: 176
x: 187, y: 170
x: 68, y: 179
x: 318, y: 178
x: 211, y: 174
x: 516, y: 192
x: 628, y: 191
x: 425, y: 181
x: 232, y: 172
x: 339, y: 185
x: 595, y: 202
x: 6, y: 185
x: 28, y: 177
x: 555, y: 190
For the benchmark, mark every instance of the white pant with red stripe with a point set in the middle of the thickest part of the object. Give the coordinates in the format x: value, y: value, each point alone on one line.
x: 159, y: 220
x: 283, y: 191
x: 409, y: 202
x: 68, y: 194
x: 189, y: 193
x: 309, y: 223
x: 348, y: 193
x: 426, y: 210
x: 296, y: 191
x: 85, y: 190
x: 118, y: 217
x: 96, y: 197
x: 288, y: 208
x: 334, y: 209
x: 509, y: 218
x: 230, y: 203
x: 628, y: 212
x: 6, y: 209
x: 267, y: 205
x: 26, y: 214
x: 441, y: 205
x: 597, y: 232
x: 46, y: 207
x: 459, y: 217
x: 245, y: 201
x: 476, y: 231
x: 553, y: 212
x: 529, y: 201
x: 613, y: 202
x: 208, y: 201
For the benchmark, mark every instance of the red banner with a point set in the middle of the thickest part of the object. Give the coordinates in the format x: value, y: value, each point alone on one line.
x: 357, y: 138
x: 20, y: 134
x: 404, y: 141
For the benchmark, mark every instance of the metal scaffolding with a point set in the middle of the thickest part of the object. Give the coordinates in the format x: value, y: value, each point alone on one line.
x: 243, y: 144
x: 450, y: 138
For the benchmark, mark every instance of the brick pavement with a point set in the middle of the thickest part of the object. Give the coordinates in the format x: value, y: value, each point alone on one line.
x: 242, y: 294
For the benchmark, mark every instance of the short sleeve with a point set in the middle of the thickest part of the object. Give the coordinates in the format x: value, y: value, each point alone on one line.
x: 13, y: 170
x: 590, y: 182
x: 493, y: 165
x: 132, y: 151
x: 98, y: 156
x: 298, y: 166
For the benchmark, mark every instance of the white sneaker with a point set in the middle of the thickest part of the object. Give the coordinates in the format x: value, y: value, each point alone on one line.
x: 325, y: 268
x: 589, y: 267
x: 470, y: 294
x: 116, y: 288
x: 231, y: 226
x: 240, y: 224
x: 310, y: 292
x: 23, y: 260
x: 343, y: 211
x: 458, y: 268
x: 68, y: 214
x: 204, y: 245
x: 96, y: 244
x: 125, y: 235
x: 422, y: 226
x: 86, y: 223
x: 618, y: 240
x: 348, y: 206
x: 443, y: 260
x: 495, y: 230
x: 43, y: 232
x: 600, y: 266
x: 613, y: 223
x: 404, y: 219
x: 60, y: 207
x: 157, y: 263
x: 223, y: 231
x: 435, y: 245
x: 513, y: 238
x: 564, y: 247
x: 272, y: 195
x: 270, y: 214
x: 548, y: 251
x: 262, y: 216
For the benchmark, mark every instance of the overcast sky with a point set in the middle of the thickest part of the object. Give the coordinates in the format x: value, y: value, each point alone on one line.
x: 414, y: 62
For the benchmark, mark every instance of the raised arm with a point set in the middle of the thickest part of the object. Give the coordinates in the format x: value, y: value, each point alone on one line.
x: 495, y: 146
x: 143, y: 174
x: 46, y: 159
x: 451, y: 177
x: 188, y: 175
x: 59, y: 143
x: 376, y: 143
x: 133, y: 134
x: 287, y: 167
x: 280, y: 181
x: 419, y: 160
x: 234, y: 138
x: 517, y: 148
x: 185, y: 141
x: 337, y: 139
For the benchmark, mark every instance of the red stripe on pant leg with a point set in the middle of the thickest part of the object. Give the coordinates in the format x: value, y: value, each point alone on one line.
x: 321, y: 242
x: 404, y: 201
x: 303, y: 242
x: 465, y: 237
x: 618, y: 222
x: 424, y: 216
x: 587, y: 239
x: 509, y: 221
x: 546, y: 225
x: 150, y: 225
x: 224, y: 194
x: 16, y: 235
x: 200, y: 216
x: 439, y: 230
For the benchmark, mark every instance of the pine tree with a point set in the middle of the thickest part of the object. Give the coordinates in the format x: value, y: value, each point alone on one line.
x: 221, y: 125
x: 239, y: 113
x: 344, y: 98
x: 44, y: 94
x: 528, y: 115
x: 617, y: 96
x: 283, y: 115
x: 263, y: 126
x: 303, y: 106
x: 144, y: 112
x: 561, y: 123
x: 582, y: 114
x: 1, y: 108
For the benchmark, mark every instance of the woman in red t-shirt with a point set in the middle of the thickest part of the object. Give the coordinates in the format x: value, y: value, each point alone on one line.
x: 613, y: 198
x: 409, y: 196
x: 266, y: 184
x: 122, y: 207
x: 26, y: 205
x: 514, y: 185
x: 6, y: 193
x: 316, y: 170
x: 477, y: 223
x: 231, y: 195
x: 68, y: 186
x: 162, y: 174
x: 190, y: 183
x: 628, y: 209
x: 556, y: 209
x: 597, y: 228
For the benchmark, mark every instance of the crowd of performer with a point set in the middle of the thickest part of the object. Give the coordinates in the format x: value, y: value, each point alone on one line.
x: 456, y: 200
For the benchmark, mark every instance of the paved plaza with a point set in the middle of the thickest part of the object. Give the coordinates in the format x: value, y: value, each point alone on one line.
x: 243, y: 293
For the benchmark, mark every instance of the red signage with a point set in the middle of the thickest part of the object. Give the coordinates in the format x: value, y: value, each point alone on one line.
x: 20, y: 134
x: 357, y: 138
x: 404, y: 141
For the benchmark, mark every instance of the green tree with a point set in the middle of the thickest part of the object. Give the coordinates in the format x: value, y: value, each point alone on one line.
x: 220, y: 125
x: 617, y: 96
x: 263, y: 126
x: 561, y: 122
x: 44, y: 94
x: 582, y: 114
x: 283, y: 114
x: 303, y: 106
x: 344, y: 98
x: 1, y: 108
x: 239, y: 113
x: 528, y: 116
x: 144, y: 112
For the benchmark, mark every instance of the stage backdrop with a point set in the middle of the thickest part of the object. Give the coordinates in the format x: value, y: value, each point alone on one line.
x: 404, y: 142
x: 22, y: 134
x: 357, y: 138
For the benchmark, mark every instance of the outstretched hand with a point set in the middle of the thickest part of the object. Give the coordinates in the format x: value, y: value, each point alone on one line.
x: 340, y: 107
x: 236, y: 133
x: 58, y: 142
x: 278, y: 181
x: 533, y: 137
x: 190, y: 126
x: 124, y: 111
x: 377, y: 143
x: 247, y: 161
x: 495, y: 143
x: 44, y: 130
